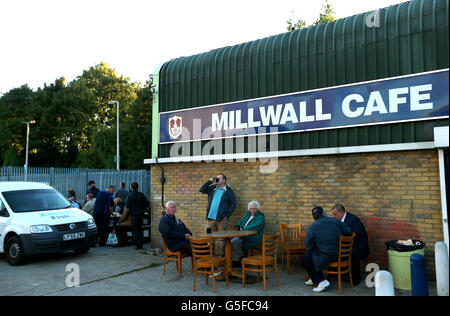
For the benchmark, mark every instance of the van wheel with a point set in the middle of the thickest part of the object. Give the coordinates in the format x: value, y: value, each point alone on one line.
x: 14, y: 250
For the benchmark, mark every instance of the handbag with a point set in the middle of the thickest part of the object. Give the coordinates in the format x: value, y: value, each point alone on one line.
x: 112, y: 239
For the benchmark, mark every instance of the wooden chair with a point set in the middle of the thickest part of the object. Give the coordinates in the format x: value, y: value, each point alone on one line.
x: 344, y: 263
x: 204, y: 261
x: 175, y: 256
x: 291, y: 238
x: 263, y: 263
x: 258, y: 248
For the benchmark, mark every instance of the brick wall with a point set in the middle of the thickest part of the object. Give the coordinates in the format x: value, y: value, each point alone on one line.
x: 396, y: 194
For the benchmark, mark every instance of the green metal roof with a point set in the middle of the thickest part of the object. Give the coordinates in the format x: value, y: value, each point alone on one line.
x: 412, y: 38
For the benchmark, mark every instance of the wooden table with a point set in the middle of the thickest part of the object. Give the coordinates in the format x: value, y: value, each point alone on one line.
x: 228, y: 235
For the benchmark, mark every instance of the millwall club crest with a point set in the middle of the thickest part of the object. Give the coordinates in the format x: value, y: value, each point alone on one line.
x: 175, y: 126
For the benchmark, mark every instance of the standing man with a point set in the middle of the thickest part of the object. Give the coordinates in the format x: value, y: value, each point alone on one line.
x: 137, y: 203
x: 122, y: 193
x: 103, y: 208
x: 322, y: 246
x: 221, y: 204
x: 92, y: 189
x: 360, y: 249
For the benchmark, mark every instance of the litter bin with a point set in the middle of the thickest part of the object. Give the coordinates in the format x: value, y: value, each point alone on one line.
x: 399, y: 261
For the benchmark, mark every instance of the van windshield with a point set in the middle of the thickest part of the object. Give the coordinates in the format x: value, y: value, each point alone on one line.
x: 25, y: 201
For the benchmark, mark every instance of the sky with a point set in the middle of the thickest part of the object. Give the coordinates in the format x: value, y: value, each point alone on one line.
x: 43, y: 40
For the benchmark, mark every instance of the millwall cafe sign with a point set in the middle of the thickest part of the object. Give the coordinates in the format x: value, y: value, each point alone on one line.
x: 415, y: 97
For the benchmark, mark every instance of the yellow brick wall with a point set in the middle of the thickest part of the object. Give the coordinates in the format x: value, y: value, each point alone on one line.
x: 396, y: 194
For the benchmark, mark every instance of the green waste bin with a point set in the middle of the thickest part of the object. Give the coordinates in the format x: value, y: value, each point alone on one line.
x: 399, y: 264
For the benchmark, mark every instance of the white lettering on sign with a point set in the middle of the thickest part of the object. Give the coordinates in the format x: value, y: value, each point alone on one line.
x: 417, y: 98
x: 353, y: 104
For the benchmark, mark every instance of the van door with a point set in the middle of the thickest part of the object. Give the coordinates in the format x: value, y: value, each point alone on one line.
x: 4, y: 217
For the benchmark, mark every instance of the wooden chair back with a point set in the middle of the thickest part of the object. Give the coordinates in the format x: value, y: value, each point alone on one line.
x: 291, y: 234
x: 201, y: 248
x: 270, y: 246
x: 345, y: 248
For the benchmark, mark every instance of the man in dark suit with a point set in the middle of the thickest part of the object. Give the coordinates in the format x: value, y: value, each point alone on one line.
x: 175, y: 233
x: 361, y: 245
x: 322, y: 246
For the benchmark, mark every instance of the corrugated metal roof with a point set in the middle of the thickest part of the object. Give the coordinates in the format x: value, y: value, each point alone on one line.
x: 412, y: 38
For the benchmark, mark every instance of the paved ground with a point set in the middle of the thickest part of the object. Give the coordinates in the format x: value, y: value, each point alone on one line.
x: 122, y: 271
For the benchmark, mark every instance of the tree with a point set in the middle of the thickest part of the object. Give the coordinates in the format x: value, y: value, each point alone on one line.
x: 327, y: 15
x: 14, y: 109
x: 106, y: 86
x: 297, y: 26
x: 76, y: 124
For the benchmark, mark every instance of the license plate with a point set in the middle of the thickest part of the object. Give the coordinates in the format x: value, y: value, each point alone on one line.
x: 74, y: 236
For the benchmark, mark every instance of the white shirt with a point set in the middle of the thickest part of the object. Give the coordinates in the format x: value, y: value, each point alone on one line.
x: 251, y: 217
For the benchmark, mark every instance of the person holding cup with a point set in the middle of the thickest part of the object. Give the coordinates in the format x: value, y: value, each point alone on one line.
x: 221, y: 204
x: 252, y: 220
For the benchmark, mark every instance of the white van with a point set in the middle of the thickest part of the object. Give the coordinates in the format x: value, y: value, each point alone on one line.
x: 37, y: 219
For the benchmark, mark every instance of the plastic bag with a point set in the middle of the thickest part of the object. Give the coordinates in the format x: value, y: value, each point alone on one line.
x: 112, y: 239
x: 394, y: 245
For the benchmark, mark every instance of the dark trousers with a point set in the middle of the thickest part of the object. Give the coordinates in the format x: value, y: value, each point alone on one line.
x: 316, y: 276
x: 137, y: 222
x: 122, y: 235
x: 102, y: 230
x: 186, y: 249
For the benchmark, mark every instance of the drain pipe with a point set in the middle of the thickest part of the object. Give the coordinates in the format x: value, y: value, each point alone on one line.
x: 162, y: 180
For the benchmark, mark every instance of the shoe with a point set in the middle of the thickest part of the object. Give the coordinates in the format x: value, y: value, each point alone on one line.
x: 309, y: 283
x: 322, y: 286
x: 142, y: 251
x: 216, y: 274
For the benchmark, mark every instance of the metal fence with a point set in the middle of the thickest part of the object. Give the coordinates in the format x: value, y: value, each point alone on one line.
x: 62, y: 178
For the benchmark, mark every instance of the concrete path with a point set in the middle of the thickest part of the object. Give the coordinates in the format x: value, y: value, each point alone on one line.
x: 124, y: 272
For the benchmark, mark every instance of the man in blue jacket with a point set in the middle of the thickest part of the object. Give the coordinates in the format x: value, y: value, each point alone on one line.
x: 174, y: 232
x: 322, y: 246
x: 360, y: 249
x: 221, y: 204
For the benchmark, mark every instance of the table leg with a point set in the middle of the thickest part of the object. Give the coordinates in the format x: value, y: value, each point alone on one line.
x: 228, y: 255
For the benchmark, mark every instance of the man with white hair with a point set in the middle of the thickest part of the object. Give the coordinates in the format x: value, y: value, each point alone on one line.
x: 253, y: 220
x: 174, y: 232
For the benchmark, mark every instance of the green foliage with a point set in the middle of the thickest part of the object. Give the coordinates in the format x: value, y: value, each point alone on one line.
x: 327, y: 15
x: 297, y: 26
x: 75, y: 122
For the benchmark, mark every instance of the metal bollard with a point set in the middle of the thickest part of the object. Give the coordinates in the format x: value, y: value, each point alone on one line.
x: 384, y: 284
x: 419, y: 283
x: 441, y: 256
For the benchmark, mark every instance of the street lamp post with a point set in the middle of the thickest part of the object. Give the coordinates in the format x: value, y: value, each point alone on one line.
x: 118, y: 145
x: 27, y: 146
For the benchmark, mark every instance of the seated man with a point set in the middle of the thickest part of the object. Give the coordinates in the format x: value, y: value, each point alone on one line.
x: 322, y: 246
x: 360, y: 249
x: 123, y: 226
x: 89, y: 206
x: 175, y: 233
x: 253, y: 220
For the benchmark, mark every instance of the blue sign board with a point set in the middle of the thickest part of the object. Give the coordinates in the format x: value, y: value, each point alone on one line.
x: 415, y: 97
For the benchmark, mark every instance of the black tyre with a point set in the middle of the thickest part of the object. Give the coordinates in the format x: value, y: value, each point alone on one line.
x: 15, y: 252
x: 82, y: 251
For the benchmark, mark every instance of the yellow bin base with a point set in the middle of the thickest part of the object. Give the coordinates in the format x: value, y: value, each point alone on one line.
x: 400, y: 267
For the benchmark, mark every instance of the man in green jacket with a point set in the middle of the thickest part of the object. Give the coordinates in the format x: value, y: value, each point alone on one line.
x: 253, y: 220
